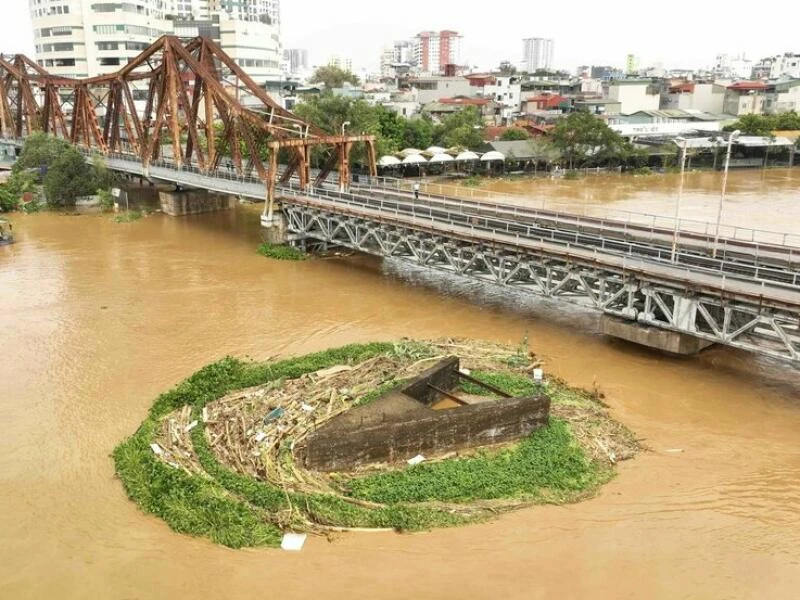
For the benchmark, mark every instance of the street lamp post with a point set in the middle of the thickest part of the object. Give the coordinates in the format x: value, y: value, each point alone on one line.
x: 682, y: 142
x: 345, y: 124
x: 731, y: 138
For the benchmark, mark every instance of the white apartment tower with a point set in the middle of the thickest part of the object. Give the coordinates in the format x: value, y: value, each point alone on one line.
x: 85, y: 38
x: 537, y: 53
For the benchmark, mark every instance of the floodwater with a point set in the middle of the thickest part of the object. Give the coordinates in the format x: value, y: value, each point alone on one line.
x: 97, y: 318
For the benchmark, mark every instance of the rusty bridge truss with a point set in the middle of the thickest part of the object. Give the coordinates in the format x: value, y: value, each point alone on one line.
x: 186, y: 99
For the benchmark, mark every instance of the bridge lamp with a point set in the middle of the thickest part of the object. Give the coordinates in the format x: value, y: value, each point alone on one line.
x: 682, y: 142
x: 345, y: 124
x: 731, y: 138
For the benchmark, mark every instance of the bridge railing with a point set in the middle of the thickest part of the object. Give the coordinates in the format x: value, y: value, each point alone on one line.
x: 440, y: 190
x: 494, y: 201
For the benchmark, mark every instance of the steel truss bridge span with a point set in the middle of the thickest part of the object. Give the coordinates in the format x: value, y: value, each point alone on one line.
x: 752, y: 315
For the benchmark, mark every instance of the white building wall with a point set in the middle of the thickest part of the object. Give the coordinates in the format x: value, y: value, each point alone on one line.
x: 633, y: 97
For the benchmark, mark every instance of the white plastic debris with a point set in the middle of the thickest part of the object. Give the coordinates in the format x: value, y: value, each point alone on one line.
x: 260, y: 437
x: 307, y: 407
x: 190, y: 426
x: 156, y: 449
x: 538, y: 374
x: 205, y: 415
x: 293, y: 541
x: 466, y: 371
x: 416, y: 460
x: 674, y: 450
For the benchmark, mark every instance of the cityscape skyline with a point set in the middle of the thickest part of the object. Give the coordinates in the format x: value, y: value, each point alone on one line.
x: 369, y: 28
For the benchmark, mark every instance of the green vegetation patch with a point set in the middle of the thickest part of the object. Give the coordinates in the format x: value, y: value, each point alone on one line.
x: 281, y: 252
x: 195, y: 492
x: 128, y: 216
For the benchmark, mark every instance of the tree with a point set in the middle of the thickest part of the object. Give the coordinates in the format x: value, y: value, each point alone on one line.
x: 765, y: 125
x: 462, y: 129
x: 39, y: 152
x: 8, y: 199
x: 68, y: 178
x: 514, y: 134
x: 753, y: 125
x: 333, y: 77
x: 584, y: 139
x: 507, y: 69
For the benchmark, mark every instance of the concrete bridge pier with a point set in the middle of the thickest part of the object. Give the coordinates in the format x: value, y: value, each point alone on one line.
x: 192, y: 202
x: 274, y: 228
x: 673, y: 342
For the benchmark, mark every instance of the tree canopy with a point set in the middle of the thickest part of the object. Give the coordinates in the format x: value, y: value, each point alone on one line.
x: 764, y: 125
x: 333, y: 77
x: 514, y: 133
x: 68, y: 178
x: 585, y: 140
x: 393, y: 132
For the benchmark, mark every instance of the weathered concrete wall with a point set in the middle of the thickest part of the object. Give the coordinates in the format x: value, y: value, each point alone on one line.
x: 275, y: 230
x: 653, y: 337
x: 398, y: 427
x: 192, y: 202
x: 141, y: 196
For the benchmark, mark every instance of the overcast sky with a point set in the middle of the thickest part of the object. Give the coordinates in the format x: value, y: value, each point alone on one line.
x: 677, y: 33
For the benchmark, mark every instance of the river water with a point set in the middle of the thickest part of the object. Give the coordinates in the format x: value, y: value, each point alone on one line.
x: 97, y: 318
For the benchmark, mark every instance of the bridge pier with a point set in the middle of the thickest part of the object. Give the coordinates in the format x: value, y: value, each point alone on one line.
x: 274, y: 228
x: 673, y: 342
x: 179, y: 203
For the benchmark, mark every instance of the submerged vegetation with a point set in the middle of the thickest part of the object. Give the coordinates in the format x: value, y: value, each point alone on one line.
x: 202, y: 489
x: 281, y: 252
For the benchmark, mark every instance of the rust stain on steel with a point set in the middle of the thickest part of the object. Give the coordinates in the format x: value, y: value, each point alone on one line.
x: 191, y: 105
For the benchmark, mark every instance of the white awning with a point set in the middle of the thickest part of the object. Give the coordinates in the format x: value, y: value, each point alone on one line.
x: 467, y: 155
x: 409, y: 151
x: 388, y: 161
x: 436, y: 150
x: 493, y: 155
x: 414, y: 159
x: 441, y: 158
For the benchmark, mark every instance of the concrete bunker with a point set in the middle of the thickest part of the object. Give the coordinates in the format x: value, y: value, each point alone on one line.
x: 409, y: 420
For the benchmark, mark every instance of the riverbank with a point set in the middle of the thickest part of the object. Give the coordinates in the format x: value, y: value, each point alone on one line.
x: 209, y: 463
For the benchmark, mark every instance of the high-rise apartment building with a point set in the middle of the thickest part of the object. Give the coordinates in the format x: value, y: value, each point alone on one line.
x: 399, y: 53
x: 296, y: 60
x: 537, y: 53
x: 85, y: 38
x: 433, y: 50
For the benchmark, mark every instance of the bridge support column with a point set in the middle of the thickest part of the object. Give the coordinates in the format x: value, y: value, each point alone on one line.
x: 274, y: 228
x: 673, y: 342
x: 192, y: 202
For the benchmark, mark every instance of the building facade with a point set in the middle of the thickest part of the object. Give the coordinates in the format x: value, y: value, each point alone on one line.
x: 537, y: 53
x: 86, y: 38
x: 296, y: 60
x: 433, y: 50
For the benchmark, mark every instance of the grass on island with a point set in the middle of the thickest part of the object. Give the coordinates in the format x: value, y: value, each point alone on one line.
x: 128, y: 216
x: 235, y: 509
x: 281, y: 252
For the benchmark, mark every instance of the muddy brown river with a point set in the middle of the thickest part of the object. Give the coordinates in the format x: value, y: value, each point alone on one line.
x: 97, y: 318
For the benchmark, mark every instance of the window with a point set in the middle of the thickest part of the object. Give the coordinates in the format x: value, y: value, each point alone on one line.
x: 109, y: 62
x: 107, y: 45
